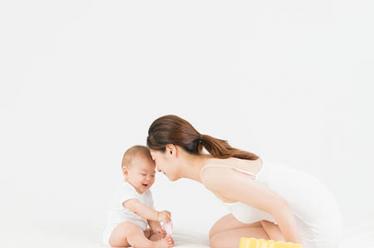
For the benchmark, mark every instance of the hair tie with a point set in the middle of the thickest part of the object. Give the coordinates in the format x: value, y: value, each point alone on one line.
x: 200, y: 138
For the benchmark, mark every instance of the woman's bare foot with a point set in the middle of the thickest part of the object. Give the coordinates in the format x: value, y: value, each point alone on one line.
x: 166, y: 242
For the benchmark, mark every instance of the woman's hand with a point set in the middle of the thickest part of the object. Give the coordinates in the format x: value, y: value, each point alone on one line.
x: 272, y: 230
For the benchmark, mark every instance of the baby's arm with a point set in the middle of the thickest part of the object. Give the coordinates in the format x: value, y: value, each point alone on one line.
x: 146, y: 212
x: 142, y: 210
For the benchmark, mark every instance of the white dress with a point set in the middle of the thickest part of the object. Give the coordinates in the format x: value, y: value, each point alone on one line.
x: 315, y: 210
x: 120, y: 214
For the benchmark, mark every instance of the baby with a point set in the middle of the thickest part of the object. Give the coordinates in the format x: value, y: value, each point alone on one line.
x: 128, y: 223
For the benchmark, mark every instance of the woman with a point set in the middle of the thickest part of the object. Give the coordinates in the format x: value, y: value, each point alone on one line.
x: 266, y: 201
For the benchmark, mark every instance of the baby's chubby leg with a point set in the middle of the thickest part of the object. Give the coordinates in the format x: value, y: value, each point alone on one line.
x: 118, y: 237
x: 128, y: 234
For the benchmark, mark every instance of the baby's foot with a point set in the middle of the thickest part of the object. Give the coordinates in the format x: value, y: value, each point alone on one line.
x: 166, y: 242
x: 171, y: 239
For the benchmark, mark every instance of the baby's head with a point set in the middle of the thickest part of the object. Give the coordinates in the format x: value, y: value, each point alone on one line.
x: 138, y: 168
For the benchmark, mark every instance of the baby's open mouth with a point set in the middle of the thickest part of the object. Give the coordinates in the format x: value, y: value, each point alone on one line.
x: 145, y: 184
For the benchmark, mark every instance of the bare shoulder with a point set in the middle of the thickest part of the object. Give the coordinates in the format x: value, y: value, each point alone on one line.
x: 218, y: 172
x: 214, y: 177
x: 233, y: 161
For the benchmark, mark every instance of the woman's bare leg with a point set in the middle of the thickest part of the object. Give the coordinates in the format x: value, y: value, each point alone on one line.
x: 229, y: 222
x: 227, y: 231
x: 231, y: 238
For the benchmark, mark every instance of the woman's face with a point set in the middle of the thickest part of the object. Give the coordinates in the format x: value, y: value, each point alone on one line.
x: 166, y: 163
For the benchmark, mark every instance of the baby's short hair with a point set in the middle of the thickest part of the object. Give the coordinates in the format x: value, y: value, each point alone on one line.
x: 135, y: 151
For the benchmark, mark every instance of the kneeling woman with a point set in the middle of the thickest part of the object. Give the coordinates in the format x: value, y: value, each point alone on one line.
x: 267, y: 201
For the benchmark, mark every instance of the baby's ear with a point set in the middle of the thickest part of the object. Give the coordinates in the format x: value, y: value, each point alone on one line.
x: 124, y: 171
x: 124, y: 174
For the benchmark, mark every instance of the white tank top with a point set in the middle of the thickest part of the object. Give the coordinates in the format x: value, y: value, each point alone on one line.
x: 243, y: 212
x: 248, y: 214
x: 314, y: 207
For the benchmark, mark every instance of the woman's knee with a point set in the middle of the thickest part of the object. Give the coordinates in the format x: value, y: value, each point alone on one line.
x: 215, y: 241
x: 231, y: 237
x: 223, y: 239
x: 228, y: 222
x: 212, y: 232
x: 217, y: 226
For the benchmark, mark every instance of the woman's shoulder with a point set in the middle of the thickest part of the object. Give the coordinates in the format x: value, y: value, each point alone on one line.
x: 232, y: 161
x: 217, y: 172
x: 214, y: 165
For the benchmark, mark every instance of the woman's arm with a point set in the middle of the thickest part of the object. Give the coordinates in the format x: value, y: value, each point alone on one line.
x: 238, y: 186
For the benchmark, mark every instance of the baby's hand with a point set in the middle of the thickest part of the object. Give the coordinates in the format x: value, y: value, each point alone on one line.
x: 164, y: 216
x: 159, y: 230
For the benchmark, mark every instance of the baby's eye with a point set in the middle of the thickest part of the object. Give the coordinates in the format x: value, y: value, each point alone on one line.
x: 143, y: 174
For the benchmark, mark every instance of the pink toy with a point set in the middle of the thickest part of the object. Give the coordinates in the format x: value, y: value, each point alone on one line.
x: 168, y: 227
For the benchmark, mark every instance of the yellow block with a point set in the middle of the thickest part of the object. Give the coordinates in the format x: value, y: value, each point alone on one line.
x: 262, y: 243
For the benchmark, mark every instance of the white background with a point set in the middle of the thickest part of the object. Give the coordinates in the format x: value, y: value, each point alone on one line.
x: 81, y: 81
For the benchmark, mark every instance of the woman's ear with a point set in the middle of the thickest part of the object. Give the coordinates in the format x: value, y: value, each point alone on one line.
x: 171, y: 149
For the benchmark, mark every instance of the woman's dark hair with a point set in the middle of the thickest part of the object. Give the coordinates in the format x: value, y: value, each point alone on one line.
x: 171, y: 129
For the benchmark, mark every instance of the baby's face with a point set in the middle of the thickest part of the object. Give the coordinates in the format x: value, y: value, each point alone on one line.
x: 141, y: 173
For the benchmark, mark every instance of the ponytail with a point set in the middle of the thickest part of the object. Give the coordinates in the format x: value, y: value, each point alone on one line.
x: 171, y: 129
x: 221, y: 149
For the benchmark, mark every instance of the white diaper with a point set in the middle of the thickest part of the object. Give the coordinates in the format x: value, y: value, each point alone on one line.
x: 120, y: 214
x: 117, y: 217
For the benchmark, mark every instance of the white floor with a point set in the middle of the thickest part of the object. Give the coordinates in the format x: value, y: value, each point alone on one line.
x: 82, y: 235
x: 359, y: 236
x: 31, y: 218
